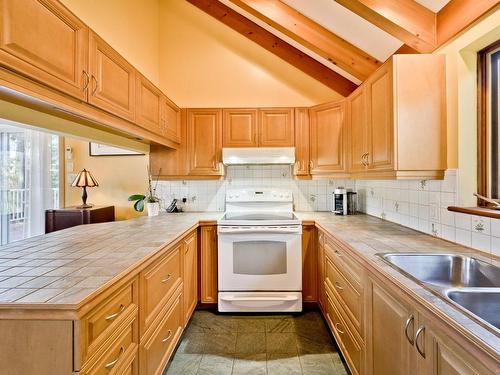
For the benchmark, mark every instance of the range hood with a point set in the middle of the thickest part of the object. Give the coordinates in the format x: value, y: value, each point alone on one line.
x: 258, y: 155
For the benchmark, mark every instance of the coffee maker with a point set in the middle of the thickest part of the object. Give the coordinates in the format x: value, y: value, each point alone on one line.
x: 344, y: 201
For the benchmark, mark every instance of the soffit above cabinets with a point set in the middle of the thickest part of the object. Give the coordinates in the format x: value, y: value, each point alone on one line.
x: 434, y: 5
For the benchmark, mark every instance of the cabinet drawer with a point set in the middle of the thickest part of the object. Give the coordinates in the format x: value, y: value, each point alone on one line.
x: 349, y: 344
x: 161, y: 339
x: 157, y: 284
x: 102, y: 320
x: 346, y: 294
x: 115, y: 356
x: 351, y: 270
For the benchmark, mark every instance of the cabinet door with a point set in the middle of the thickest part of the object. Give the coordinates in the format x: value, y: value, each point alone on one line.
x: 44, y: 41
x: 171, y: 163
x: 301, y: 167
x: 240, y: 128
x: 276, y: 127
x: 190, y: 276
x: 148, y: 105
x: 204, y: 128
x: 380, y: 119
x: 170, y: 120
x: 356, y: 113
x: 208, y: 262
x: 327, y: 139
x: 309, y: 264
x: 112, y: 80
x: 389, y: 351
x: 321, y: 271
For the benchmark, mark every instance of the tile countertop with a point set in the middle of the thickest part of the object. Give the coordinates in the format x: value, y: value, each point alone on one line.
x: 62, y: 269
x: 368, y: 235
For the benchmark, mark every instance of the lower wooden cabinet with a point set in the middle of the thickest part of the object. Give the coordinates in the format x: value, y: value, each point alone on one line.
x: 190, y: 276
x: 309, y: 264
x: 208, y: 264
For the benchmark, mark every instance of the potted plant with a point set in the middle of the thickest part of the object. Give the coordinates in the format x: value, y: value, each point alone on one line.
x: 149, y: 199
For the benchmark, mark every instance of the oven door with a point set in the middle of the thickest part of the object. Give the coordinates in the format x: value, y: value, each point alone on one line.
x: 260, y: 259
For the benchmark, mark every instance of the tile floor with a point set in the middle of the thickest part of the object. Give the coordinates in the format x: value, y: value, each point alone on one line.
x: 256, y: 344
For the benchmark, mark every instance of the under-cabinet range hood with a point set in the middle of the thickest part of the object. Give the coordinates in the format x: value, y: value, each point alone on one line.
x: 258, y: 155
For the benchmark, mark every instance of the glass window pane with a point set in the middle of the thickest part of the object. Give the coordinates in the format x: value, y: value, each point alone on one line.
x: 259, y: 258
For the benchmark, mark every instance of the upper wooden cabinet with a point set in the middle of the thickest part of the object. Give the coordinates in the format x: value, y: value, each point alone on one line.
x: 240, y: 128
x: 301, y: 167
x: 148, y: 104
x: 276, y: 127
x: 45, y: 42
x: 328, y: 140
x: 403, y: 115
x: 112, y: 80
x: 204, y: 142
x: 170, y: 120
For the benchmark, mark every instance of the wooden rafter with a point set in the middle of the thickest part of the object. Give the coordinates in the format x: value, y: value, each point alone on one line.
x: 311, y: 35
x: 275, y: 45
x: 407, y: 20
x: 457, y: 15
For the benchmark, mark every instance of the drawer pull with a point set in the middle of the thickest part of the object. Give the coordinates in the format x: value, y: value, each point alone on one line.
x: 168, y: 336
x: 407, y: 324
x: 169, y: 276
x: 111, y: 364
x: 113, y: 316
x: 337, y: 253
x: 417, y: 336
x: 338, y: 286
x: 337, y: 325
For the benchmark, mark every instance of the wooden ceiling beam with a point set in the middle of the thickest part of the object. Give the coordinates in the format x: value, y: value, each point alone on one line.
x: 275, y: 45
x: 457, y: 15
x: 407, y: 20
x: 311, y: 35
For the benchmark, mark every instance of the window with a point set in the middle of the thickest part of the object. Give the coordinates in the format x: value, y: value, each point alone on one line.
x: 488, y: 121
x: 29, y: 181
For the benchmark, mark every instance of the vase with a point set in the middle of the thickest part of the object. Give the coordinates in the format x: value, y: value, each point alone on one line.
x: 153, y: 208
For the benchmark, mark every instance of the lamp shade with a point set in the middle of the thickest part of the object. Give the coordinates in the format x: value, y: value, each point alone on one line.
x: 84, y: 179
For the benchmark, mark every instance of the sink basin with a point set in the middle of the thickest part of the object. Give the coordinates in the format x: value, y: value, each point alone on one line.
x: 446, y: 270
x: 483, y: 303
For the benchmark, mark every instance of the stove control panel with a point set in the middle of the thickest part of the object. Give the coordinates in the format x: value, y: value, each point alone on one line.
x: 259, y: 195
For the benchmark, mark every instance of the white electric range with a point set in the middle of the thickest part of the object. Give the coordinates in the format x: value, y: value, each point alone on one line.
x: 259, y: 252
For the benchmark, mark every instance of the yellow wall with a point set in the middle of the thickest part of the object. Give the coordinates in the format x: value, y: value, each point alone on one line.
x: 461, y: 65
x: 118, y: 178
x: 207, y: 64
x: 129, y: 26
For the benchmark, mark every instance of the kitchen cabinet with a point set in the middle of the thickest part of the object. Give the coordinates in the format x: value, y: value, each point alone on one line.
x: 204, y: 145
x: 309, y: 264
x: 190, y: 276
x: 170, y: 120
x: 328, y: 140
x: 301, y: 166
x: 208, y: 264
x: 405, y: 115
x: 45, y: 42
x: 112, y: 80
x: 321, y: 270
x: 276, y: 127
x: 148, y: 105
x: 358, y: 131
x: 240, y: 127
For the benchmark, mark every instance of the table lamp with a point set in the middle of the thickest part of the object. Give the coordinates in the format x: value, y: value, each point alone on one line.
x: 84, y: 179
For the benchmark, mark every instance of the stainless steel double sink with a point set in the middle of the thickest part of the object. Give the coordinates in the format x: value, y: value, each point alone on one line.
x: 469, y: 283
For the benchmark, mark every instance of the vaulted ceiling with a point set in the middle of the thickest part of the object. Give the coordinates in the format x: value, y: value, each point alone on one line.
x: 341, y: 42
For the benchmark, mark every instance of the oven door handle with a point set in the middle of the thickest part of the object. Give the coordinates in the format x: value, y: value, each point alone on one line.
x: 234, y: 299
x: 259, y: 230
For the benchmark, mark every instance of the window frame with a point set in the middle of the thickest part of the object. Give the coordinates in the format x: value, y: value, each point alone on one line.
x: 483, y: 97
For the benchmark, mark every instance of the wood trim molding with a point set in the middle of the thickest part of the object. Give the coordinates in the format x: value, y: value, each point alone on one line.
x: 276, y: 46
x: 478, y: 211
x: 406, y: 20
x: 311, y: 35
x: 457, y: 15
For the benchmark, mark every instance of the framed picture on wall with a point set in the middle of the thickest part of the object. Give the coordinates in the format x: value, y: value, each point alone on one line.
x: 96, y: 149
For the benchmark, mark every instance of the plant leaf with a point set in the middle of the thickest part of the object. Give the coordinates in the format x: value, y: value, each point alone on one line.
x: 136, y: 197
x: 139, y: 206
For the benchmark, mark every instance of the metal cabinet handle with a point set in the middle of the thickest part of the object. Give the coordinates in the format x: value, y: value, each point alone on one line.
x: 111, y: 364
x: 169, y: 276
x: 311, y: 164
x: 337, y: 253
x: 338, y: 286
x: 87, y: 81
x: 366, y: 158
x: 407, y: 324
x: 421, y: 351
x: 168, y: 336
x: 94, y: 79
x: 113, y: 316
x: 337, y: 325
